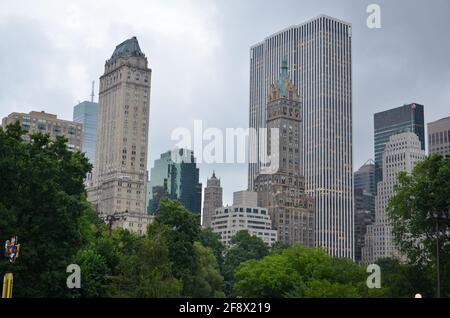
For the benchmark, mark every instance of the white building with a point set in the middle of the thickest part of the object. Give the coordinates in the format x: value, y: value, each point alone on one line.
x: 229, y: 220
x: 319, y: 56
x: 134, y: 222
x: 401, y: 153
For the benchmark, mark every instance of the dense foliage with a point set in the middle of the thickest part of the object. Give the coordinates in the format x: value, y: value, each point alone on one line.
x: 43, y: 202
x: 420, y: 214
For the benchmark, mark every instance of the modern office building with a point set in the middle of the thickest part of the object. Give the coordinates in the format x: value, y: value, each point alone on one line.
x: 213, y: 199
x: 48, y: 124
x: 439, y: 136
x: 319, y: 56
x: 175, y: 175
x: 407, y: 118
x: 279, y: 185
x: 401, y: 153
x: 364, y: 196
x: 122, y: 133
x: 85, y: 113
x: 243, y: 215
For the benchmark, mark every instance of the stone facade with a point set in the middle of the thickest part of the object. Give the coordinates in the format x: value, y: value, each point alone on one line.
x: 280, y: 186
x: 48, y: 124
x: 439, y: 136
x: 119, y: 183
x: 402, y: 153
x: 213, y: 199
x: 243, y: 215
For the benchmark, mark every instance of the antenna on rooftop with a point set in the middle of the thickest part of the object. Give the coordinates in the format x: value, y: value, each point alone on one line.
x: 92, y: 93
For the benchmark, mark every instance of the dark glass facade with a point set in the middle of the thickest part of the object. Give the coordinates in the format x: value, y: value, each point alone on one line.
x: 364, y: 194
x: 407, y: 118
x: 175, y: 176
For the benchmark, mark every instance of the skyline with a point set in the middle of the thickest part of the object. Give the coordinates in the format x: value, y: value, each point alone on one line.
x: 203, y: 92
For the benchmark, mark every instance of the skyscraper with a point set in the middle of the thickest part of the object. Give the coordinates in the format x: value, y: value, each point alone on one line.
x: 318, y: 53
x: 85, y: 113
x: 439, y: 136
x: 364, y: 194
x: 212, y: 199
x: 401, y: 153
x: 122, y: 132
x: 407, y: 118
x: 281, y: 190
x: 175, y: 175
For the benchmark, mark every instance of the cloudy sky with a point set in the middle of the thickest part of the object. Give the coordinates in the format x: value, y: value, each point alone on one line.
x: 50, y: 51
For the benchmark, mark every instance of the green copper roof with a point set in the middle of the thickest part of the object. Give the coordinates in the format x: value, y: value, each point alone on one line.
x: 128, y: 47
x: 281, y: 83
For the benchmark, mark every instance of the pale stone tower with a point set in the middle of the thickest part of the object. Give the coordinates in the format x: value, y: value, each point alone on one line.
x: 122, y: 132
x: 212, y: 200
x: 282, y: 191
x: 402, y: 153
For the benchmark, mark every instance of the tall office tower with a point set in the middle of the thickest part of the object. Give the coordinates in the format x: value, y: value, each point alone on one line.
x: 364, y: 194
x: 439, y: 136
x: 48, y: 124
x: 244, y: 214
x: 280, y: 187
x: 122, y: 132
x: 401, y: 153
x: 407, y: 118
x: 320, y: 66
x: 175, y: 175
x: 85, y: 113
x: 212, y: 200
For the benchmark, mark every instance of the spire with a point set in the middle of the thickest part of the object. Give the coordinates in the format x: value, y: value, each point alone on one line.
x: 283, y: 78
x: 92, y: 92
x: 214, y: 175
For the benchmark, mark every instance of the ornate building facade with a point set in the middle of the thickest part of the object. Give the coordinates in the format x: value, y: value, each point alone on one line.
x: 213, y: 199
x: 280, y: 186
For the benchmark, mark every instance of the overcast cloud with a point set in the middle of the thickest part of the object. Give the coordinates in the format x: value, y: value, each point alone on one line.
x: 50, y: 51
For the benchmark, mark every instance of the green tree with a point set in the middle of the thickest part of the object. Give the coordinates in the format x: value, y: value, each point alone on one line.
x: 404, y: 280
x: 212, y: 240
x: 298, y: 271
x: 208, y: 281
x: 420, y: 215
x: 43, y: 202
x: 144, y: 271
x: 243, y: 247
x: 193, y: 264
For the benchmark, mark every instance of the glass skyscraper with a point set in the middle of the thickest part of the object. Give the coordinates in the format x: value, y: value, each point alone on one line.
x: 86, y: 113
x: 319, y: 55
x: 175, y: 175
x: 407, y: 118
x: 364, y: 194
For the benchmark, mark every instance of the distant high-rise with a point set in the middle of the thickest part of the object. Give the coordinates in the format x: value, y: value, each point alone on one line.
x: 439, y: 136
x: 364, y: 194
x: 213, y: 197
x: 319, y: 55
x: 407, y: 118
x: 401, y: 153
x: 85, y: 113
x: 122, y: 132
x: 281, y: 189
x: 48, y: 124
x: 175, y: 175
